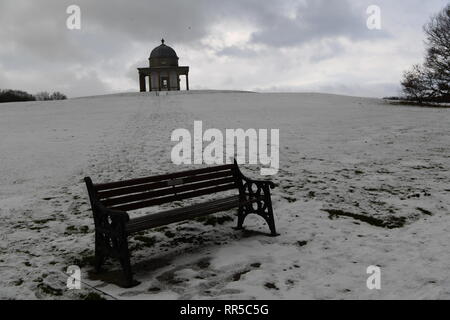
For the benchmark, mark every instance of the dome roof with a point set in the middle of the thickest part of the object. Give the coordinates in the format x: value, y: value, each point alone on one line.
x: 163, y: 51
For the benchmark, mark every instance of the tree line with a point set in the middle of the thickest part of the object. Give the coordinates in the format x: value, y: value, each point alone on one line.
x: 9, y: 95
x: 430, y: 81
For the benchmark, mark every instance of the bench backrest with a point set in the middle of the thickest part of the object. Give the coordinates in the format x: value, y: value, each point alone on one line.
x: 157, y: 190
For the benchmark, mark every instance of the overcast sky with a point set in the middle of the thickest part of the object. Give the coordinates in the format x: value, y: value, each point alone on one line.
x: 276, y: 45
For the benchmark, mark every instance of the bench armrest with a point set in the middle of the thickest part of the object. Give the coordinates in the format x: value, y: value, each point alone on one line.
x: 263, y: 186
x: 262, y: 183
x: 108, y: 220
x: 101, y: 213
x: 116, y: 216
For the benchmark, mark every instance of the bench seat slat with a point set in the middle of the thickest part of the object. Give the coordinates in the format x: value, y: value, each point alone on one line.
x: 188, y: 209
x: 133, y: 182
x: 178, y: 197
x: 180, y: 214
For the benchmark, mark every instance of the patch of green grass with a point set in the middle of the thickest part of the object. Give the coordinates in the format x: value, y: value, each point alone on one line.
x: 75, y: 230
x: 140, y: 242
x: 204, y: 263
x: 47, y: 289
x: 193, y: 239
x: 237, y: 276
x: 71, y: 229
x: 271, y: 286
x: 84, y: 229
x: 389, y: 223
x: 91, y: 296
x: 424, y: 211
x: 42, y: 221
x: 84, y: 260
x: 290, y: 199
x: 169, y: 234
x: 148, y: 241
x: 213, y: 220
x: 18, y: 282
x: 302, y: 243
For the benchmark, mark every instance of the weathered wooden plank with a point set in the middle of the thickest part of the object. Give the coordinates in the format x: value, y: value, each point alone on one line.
x: 133, y: 182
x: 195, y: 207
x: 166, y: 191
x: 180, y: 214
x: 161, y: 184
x: 178, y: 197
x: 177, y: 215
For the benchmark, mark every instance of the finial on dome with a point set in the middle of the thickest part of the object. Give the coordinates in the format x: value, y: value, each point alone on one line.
x: 162, y: 41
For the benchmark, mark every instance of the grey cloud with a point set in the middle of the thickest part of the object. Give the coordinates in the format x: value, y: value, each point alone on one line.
x: 38, y: 28
x: 327, y: 50
x: 131, y: 72
x: 315, y: 20
x: 178, y: 20
x: 236, y: 51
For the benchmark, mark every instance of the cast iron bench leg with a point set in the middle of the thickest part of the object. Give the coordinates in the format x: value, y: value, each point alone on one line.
x: 125, y: 263
x: 99, y: 255
x: 241, y: 218
x: 271, y: 223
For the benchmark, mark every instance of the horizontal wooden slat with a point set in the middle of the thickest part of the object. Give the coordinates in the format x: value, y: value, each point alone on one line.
x: 166, y: 191
x: 178, y: 197
x: 195, y: 207
x: 175, y: 215
x: 160, y: 185
x: 180, y: 214
x: 133, y: 182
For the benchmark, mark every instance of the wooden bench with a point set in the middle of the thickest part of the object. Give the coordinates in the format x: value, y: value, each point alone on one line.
x: 111, y: 203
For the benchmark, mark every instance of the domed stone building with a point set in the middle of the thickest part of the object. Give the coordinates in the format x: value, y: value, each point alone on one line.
x: 164, y: 72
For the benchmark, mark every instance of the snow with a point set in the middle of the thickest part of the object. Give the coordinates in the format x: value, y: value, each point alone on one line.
x: 356, y: 156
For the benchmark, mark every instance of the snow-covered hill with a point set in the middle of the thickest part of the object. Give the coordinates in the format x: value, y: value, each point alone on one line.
x: 350, y: 170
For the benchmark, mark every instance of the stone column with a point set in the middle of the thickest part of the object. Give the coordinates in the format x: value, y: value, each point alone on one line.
x: 150, y: 81
x: 142, y: 82
x: 169, y: 84
x: 159, y: 81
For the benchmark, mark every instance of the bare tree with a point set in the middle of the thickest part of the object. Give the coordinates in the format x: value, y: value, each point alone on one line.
x: 437, y: 60
x: 417, y: 84
x: 431, y: 82
x: 45, y: 96
x: 58, y: 96
x: 42, y: 96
